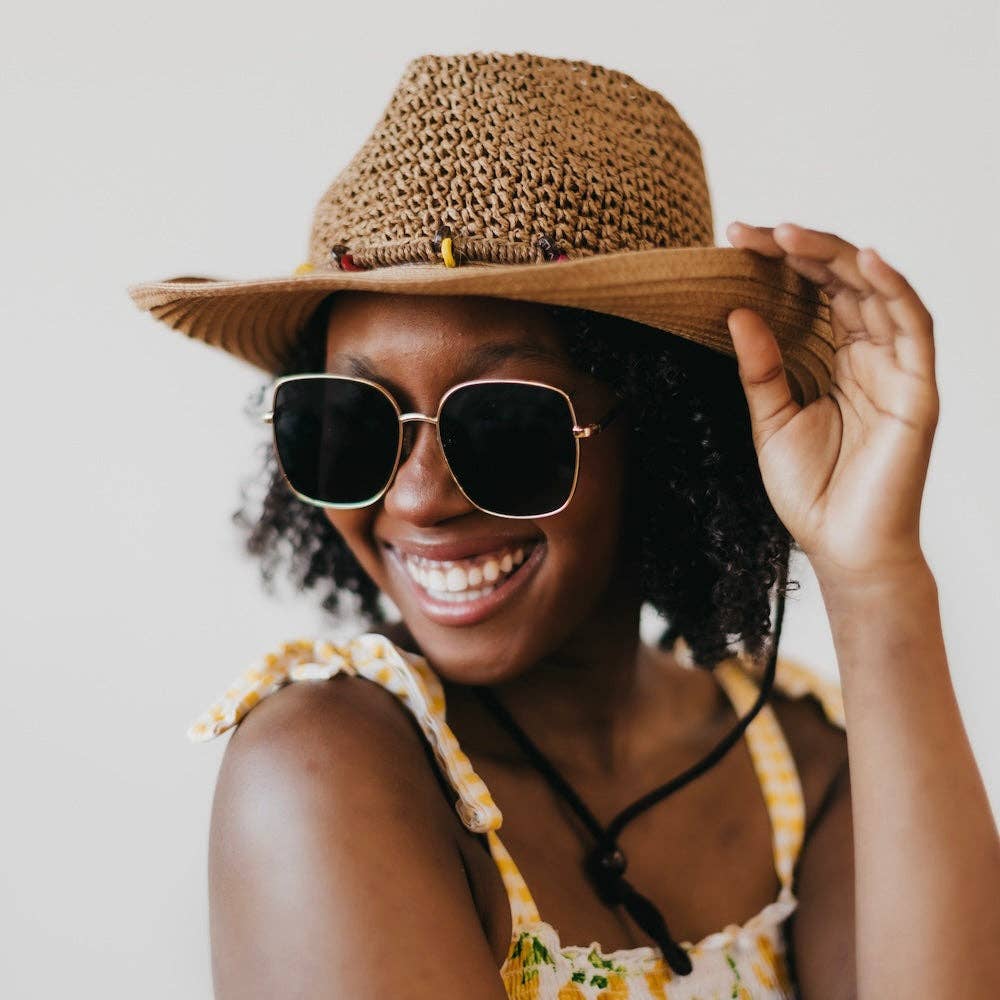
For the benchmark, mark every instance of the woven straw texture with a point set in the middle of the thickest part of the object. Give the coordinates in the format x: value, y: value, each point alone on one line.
x: 503, y: 149
x: 553, y: 181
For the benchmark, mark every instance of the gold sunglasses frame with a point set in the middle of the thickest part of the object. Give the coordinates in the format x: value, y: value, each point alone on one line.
x: 580, y: 433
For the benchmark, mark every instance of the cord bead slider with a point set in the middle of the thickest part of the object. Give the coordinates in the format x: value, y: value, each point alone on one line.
x: 606, y: 865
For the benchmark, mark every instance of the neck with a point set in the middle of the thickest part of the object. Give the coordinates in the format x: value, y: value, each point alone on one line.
x: 601, y: 705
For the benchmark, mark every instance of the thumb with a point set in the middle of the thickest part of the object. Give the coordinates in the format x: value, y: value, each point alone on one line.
x: 762, y: 374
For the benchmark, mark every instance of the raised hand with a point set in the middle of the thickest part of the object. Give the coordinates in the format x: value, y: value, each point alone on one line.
x: 846, y: 473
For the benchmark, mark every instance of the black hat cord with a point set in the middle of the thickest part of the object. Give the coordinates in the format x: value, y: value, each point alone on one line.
x: 605, y: 864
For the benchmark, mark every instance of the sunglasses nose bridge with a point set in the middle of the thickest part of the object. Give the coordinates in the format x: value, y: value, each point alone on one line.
x: 412, y: 420
x: 440, y: 462
x: 409, y: 418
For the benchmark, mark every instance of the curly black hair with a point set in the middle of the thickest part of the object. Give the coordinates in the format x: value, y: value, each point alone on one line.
x: 711, y: 545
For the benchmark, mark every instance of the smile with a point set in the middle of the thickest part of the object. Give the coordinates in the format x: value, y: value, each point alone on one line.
x: 466, y: 591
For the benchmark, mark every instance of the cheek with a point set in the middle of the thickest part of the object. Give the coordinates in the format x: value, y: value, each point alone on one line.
x: 588, y: 534
x: 355, y: 528
x: 602, y: 479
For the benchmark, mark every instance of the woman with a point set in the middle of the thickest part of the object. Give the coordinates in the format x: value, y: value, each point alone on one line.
x: 552, y: 493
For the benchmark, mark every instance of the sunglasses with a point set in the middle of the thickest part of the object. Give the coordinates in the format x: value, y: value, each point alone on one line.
x: 512, y: 446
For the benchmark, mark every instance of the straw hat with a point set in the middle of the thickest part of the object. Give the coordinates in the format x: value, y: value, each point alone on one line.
x: 523, y: 177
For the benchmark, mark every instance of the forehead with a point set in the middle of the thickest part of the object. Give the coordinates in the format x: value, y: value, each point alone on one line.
x: 444, y: 334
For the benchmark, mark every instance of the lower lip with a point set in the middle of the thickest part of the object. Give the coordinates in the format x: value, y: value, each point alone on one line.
x: 475, y: 611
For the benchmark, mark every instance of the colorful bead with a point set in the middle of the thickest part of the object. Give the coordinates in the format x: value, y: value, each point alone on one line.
x: 347, y: 263
x: 446, y: 254
x: 443, y: 245
x: 343, y: 260
x: 549, y: 248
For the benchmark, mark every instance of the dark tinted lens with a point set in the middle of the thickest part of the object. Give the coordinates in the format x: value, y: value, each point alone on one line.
x: 511, y: 446
x: 336, y: 439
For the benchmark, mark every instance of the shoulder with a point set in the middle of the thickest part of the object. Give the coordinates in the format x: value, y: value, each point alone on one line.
x: 342, y: 740
x: 795, y: 681
x: 810, y: 709
x: 818, y: 745
x: 313, y: 710
x: 328, y: 824
x: 368, y: 654
x: 822, y: 929
x: 325, y: 719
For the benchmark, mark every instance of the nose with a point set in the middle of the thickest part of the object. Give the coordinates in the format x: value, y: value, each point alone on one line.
x: 423, y: 491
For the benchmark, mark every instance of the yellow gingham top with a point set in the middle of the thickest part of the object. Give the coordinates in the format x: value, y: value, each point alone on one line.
x: 739, y: 962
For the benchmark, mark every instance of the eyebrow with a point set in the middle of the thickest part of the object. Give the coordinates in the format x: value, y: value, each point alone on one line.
x: 478, y: 360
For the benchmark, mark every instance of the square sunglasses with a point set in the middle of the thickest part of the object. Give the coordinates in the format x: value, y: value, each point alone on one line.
x: 512, y: 446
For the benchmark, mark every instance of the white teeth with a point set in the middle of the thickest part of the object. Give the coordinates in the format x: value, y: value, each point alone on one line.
x: 466, y: 579
x: 464, y: 595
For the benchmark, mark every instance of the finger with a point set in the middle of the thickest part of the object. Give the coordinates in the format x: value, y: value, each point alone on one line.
x: 762, y: 374
x: 857, y: 308
x: 859, y: 317
x: 876, y: 322
x: 854, y: 300
x: 829, y: 251
x: 914, y: 339
x: 758, y: 238
x: 762, y: 240
x: 878, y: 387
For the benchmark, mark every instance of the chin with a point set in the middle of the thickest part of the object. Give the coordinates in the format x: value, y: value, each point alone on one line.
x: 484, y: 654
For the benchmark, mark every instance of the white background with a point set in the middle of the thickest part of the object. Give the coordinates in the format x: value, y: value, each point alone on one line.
x: 144, y: 141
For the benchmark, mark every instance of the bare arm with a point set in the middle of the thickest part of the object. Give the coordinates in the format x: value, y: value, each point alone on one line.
x: 845, y: 474
x: 926, y: 852
x: 333, y: 865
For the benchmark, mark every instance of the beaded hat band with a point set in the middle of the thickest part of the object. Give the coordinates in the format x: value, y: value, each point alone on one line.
x: 524, y: 177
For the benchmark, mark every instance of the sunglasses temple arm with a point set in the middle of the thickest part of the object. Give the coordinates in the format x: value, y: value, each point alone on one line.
x: 589, y: 430
x: 618, y: 408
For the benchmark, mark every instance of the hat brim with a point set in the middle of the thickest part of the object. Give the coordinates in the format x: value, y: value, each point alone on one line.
x: 686, y: 291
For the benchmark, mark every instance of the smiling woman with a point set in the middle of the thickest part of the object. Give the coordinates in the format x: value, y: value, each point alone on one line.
x: 522, y: 397
x: 665, y: 508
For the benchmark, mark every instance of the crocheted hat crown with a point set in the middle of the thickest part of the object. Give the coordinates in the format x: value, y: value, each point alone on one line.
x: 512, y: 154
x: 484, y: 168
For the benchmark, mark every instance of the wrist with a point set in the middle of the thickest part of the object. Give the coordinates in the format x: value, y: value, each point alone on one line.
x: 838, y: 583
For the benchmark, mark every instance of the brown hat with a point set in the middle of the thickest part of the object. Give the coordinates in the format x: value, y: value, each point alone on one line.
x: 523, y: 177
